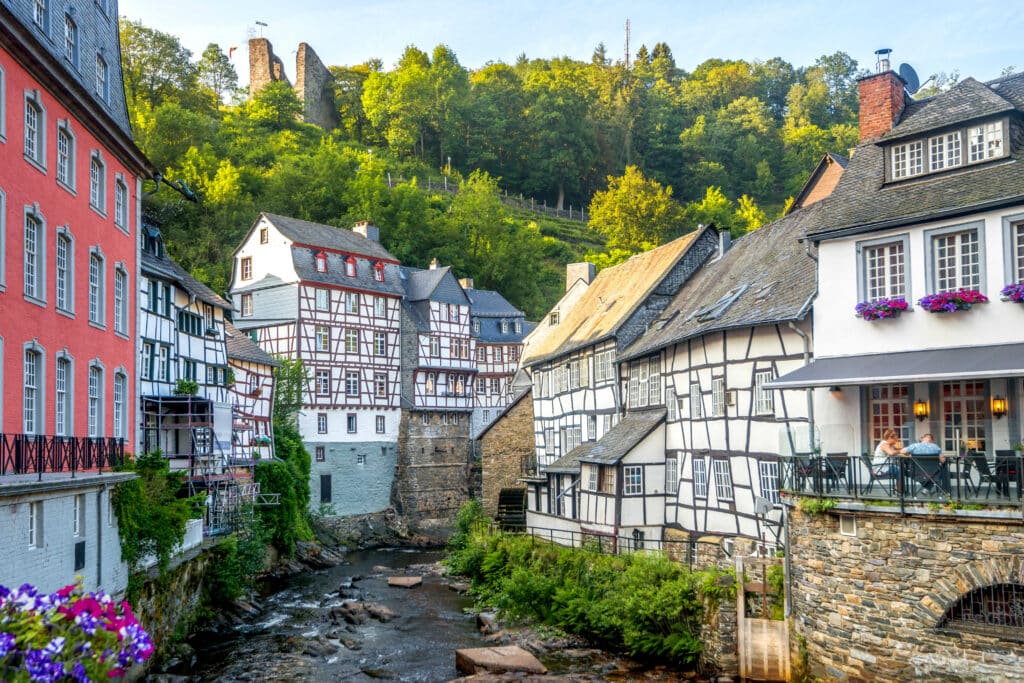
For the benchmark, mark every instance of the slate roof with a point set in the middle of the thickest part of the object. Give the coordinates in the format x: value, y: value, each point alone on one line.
x: 965, y: 101
x: 488, y: 309
x: 570, y: 462
x: 327, y: 237
x: 862, y: 202
x: 622, y: 438
x: 770, y: 265
x: 610, y: 299
x: 241, y: 347
x: 304, y: 261
x: 486, y: 302
x: 434, y: 284
x: 169, y: 270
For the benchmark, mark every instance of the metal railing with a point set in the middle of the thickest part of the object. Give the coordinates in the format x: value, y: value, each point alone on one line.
x: 685, y: 551
x: 967, y: 479
x: 42, y: 454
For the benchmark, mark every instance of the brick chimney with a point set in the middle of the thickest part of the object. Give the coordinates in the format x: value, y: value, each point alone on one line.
x: 883, y: 95
x: 578, y: 271
x: 367, y: 230
x: 434, y: 264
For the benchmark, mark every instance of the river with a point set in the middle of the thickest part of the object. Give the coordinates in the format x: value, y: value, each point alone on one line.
x: 417, y: 645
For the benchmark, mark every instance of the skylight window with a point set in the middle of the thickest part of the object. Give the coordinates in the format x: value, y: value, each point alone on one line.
x: 715, y: 310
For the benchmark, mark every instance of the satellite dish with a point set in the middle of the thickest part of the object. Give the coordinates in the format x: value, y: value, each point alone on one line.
x: 909, y: 76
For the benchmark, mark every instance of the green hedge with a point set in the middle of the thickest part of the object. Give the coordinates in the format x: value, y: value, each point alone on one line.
x: 643, y: 603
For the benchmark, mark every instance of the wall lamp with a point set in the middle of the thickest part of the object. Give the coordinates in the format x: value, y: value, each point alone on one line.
x: 835, y: 390
x: 921, y: 410
x: 998, y: 407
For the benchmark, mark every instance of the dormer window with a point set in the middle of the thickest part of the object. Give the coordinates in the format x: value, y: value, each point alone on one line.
x: 952, y: 149
x: 476, y: 325
x: 321, y: 262
x: 350, y: 266
x: 504, y: 327
x: 553, y: 318
x: 517, y: 326
x: 378, y: 271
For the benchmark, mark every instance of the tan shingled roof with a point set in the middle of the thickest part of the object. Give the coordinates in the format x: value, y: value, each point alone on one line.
x: 610, y: 300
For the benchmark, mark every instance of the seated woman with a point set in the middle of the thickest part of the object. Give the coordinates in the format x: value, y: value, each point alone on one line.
x: 881, y: 463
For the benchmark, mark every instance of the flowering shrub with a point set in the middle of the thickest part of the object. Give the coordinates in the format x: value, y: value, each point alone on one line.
x: 960, y: 300
x: 1014, y: 292
x: 68, y: 635
x: 881, y: 308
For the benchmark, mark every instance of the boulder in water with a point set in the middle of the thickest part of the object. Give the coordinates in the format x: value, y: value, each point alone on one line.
x: 405, y: 581
x: 505, y: 659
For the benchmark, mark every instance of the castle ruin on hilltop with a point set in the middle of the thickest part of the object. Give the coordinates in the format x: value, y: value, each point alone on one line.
x: 312, y: 80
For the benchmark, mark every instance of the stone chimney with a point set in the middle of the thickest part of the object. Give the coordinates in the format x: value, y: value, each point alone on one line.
x: 578, y: 271
x: 466, y: 282
x: 724, y: 242
x: 434, y: 264
x: 882, y: 98
x: 367, y: 230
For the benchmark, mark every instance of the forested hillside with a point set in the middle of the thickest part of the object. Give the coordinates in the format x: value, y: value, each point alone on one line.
x: 650, y: 148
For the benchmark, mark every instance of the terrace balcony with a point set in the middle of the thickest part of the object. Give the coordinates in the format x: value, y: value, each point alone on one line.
x: 28, y: 456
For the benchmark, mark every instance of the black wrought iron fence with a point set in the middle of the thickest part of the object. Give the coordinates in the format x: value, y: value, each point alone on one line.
x: 967, y: 479
x: 41, y: 454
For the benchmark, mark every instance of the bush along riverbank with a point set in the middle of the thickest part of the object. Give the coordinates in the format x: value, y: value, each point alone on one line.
x: 643, y: 604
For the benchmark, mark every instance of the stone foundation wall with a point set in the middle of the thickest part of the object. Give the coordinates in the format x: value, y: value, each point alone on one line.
x: 868, y: 606
x: 434, y: 474
x: 504, y: 449
x: 167, y: 605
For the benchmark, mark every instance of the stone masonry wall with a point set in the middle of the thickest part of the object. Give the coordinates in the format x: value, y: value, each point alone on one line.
x: 868, y: 606
x: 264, y: 66
x: 313, y: 85
x: 504, y: 450
x: 433, y: 477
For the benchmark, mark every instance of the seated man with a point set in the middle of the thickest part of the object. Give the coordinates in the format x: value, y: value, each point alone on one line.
x: 925, y: 474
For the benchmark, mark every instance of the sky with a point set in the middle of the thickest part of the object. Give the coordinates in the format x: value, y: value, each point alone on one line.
x: 978, y: 38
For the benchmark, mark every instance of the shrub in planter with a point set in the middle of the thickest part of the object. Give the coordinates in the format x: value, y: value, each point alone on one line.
x: 947, y: 302
x: 881, y: 309
x: 1013, y: 292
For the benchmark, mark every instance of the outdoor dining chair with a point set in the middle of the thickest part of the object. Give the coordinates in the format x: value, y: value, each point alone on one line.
x: 880, y: 473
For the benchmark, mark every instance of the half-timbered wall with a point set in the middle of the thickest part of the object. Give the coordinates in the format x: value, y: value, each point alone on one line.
x: 732, y: 430
x: 444, y: 367
x: 495, y: 366
x: 575, y: 400
x: 252, y: 396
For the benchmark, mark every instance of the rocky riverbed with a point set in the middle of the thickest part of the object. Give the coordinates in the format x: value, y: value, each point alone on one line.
x: 345, y: 623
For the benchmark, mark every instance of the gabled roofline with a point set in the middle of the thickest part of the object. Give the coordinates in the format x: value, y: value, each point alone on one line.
x: 819, y: 169
x: 504, y: 411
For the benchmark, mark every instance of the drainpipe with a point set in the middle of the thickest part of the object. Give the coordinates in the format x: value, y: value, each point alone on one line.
x: 809, y: 391
x: 99, y: 536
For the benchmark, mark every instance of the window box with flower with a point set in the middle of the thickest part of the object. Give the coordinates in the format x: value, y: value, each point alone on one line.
x: 881, y: 309
x: 1013, y: 292
x: 948, y: 302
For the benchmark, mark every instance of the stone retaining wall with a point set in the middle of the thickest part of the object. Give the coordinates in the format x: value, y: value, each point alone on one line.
x: 869, y: 605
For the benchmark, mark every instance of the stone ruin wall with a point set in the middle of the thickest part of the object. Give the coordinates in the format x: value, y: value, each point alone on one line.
x: 313, y: 84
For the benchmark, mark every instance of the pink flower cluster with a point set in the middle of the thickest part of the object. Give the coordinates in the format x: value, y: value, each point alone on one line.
x: 67, y: 635
x: 1014, y: 292
x: 960, y: 300
x: 881, y: 308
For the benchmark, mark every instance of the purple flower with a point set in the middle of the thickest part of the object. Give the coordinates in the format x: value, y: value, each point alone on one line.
x: 79, y: 674
x: 1014, y: 292
x: 960, y: 300
x: 880, y: 308
x: 56, y: 646
x: 42, y: 668
x: 7, y: 642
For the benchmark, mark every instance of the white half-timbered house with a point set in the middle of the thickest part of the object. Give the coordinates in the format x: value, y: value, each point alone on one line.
x: 251, y: 380
x: 181, y: 341
x: 498, y: 329
x: 572, y: 364
x: 331, y: 297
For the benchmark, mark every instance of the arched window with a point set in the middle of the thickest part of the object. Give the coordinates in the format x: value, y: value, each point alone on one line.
x: 321, y: 262
x: 350, y: 266
x: 378, y: 271
x: 991, y: 609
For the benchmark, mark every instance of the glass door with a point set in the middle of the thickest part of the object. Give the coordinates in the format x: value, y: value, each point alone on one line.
x: 964, y: 413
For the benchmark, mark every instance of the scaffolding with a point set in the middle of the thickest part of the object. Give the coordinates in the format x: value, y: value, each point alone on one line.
x: 184, y: 429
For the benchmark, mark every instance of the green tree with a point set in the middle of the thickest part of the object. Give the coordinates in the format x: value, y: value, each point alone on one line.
x: 216, y: 73
x: 450, y: 83
x: 289, y: 388
x: 156, y: 67
x: 748, y: 216
x: 398, y: 104
x: 714, y: 209
x: 635, y: 211
x: 275, y: 106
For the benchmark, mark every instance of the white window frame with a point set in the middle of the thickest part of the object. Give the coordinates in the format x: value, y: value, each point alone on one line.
x: 351, y: 340
x: 671, y: 404
x: 884, y: 268
x: 764, y: 398
x: 33, y: 413
x: 380, y: 343
x: 3, y: 209
x: 164, y: 366
x: 322, y: 338
x: 121, y: 303
x: 380, y: 385
x: 654, y: 382
x: 322, y: 379
x: 632, y: 480
x: 696, y: 401
x: 64, y: 392
x: 549, y: 440
x: 985, y: 141
x: 146, y: 368
x: 78, y: 515
x: 945, y: 151
x: 351, y: 383
x: 102, y: 78
x: 723, y: 479
x: 35, y: 136
x: 435, y: 347
x: 35, y: 525
x: 768, y: 476
x: 245, y: 305
x: 245, y: 267
x: 120, y: 404
x: 946, y: 257
x: 592, y: 476
x: 34, y: 268
x: 321, y: 423
x: 351, y: 423
x: 351, y: 302
x: 70, y: 40
x: 1014, y: 250
x: 41, y: 14
x: 264, y: 235
x: 3, y: 104
x: 95, y: 397
x: 380, y: 424
x: 98, y: 183
x: 350, y: 267
x: 66, y: 156
x: 64, y: 271
x: 671, y: 476
x: 700, y: 477
x: 122, y: 204
x: 717, y: 397
x: 322, y: 299
x: 380, y: 307
x: 97, y: 288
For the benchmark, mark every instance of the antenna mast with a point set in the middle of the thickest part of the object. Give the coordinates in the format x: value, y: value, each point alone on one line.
x: 627, y: 42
